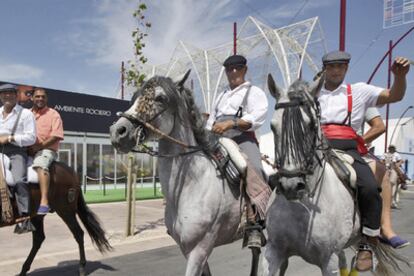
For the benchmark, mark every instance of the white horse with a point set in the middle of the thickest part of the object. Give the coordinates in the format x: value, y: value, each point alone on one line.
x: 202, y: 210
x: 313, y: 215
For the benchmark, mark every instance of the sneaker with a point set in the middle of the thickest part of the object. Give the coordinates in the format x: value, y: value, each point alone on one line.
x: 396, y: 242
x: 43, y: 210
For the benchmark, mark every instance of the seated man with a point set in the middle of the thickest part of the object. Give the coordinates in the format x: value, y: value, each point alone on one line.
x: 236, y: 114
x: 342, y: 111
x: 49, y: 133
x: 17, y: 131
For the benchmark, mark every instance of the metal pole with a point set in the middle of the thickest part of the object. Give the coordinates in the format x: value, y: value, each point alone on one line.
x: 398, y: 123
x: 388, y: 86
x: 122, y: 80
x: 342, y: 21
x: 129, y: 194
x: 234, y: 38
x: 386, y: 54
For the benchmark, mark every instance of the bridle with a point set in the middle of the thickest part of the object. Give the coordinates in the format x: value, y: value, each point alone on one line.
x: 147, y: 124
x: 310, y: 168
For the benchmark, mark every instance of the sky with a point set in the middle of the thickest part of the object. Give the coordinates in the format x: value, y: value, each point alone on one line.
x: 78, y: 45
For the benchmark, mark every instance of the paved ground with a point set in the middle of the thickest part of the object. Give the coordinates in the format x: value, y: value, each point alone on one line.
x: 150, y: 252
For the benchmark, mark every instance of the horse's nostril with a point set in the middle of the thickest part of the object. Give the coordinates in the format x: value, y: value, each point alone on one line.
x: 121, y: 130
x: 300, y: 186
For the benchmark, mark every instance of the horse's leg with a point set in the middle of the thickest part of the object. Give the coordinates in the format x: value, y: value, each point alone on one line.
x: 271, y: 261
x: 70, y: 220
x: 38, y: 236
x: 283, y: 267
x: 330, y: 268
x: 197, y: 260
x: 206, y: 270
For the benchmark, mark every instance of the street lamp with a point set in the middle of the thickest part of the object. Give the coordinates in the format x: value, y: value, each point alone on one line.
x: 398, y: 122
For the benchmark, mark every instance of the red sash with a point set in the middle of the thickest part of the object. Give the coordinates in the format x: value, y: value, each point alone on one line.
x: 342, y: 131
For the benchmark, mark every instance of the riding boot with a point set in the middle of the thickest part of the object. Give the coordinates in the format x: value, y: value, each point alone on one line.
x: 25, y: 226
x: 254, y: 237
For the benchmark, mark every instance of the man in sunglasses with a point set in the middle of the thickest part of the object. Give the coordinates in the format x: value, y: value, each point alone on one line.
x: 237, y: 113
x: 24, y: 96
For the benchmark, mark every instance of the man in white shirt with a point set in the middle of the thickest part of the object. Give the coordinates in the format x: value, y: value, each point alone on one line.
x: 237, y: 113
x: 240, y: 110
x: 342, y: 112
x: 17, y: 131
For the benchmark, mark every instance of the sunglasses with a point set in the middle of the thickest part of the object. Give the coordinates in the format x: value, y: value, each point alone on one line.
x: 28, y: 93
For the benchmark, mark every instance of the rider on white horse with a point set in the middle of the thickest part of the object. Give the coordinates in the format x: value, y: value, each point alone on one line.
x: 236, y: 114
x: 342, y: 111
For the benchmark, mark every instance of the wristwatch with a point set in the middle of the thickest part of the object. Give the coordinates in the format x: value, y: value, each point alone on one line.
x: 235, y: 124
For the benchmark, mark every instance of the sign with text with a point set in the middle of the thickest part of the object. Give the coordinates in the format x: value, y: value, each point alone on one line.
x: 398, y: 12
x: 85, y: 113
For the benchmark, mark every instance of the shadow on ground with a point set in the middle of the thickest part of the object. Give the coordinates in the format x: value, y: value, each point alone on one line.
x: 70, y: 268
x: 150, y: 225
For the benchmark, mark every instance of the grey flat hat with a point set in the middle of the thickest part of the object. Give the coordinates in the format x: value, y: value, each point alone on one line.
x: 336, y: 57
x: 8, y: 87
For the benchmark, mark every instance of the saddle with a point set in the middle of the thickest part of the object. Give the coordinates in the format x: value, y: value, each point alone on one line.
x: 342, y: 165
x: 229, y: 160
x: 8, y: 201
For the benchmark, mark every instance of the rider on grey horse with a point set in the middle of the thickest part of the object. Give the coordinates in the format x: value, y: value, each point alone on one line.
x: 236, y: 114
x: 342, y: 111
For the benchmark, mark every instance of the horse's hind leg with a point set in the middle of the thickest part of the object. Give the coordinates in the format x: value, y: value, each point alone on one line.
x: 38, y: 236
x: 206, y: 270
x: 73, y: 224
x: 197, y: 260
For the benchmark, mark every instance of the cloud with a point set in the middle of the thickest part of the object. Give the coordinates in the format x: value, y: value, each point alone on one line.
x: 19, y: 72
x: 105, y: 38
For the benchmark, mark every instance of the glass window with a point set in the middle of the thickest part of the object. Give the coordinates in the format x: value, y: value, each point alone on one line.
x: 66, y: 153
x: 79, y: 161
x: 108, y: 161
x: 92, y: 164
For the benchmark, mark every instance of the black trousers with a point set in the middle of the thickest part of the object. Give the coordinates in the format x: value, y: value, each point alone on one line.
x: 368, y: 191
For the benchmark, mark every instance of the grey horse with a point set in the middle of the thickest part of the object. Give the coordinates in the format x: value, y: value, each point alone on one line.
x: 202, y: 210
x: 312, y: 214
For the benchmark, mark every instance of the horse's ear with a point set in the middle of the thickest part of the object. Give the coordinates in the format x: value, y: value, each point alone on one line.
x: 181, y: 80
x: 275, y: 91
x: 316, y: 86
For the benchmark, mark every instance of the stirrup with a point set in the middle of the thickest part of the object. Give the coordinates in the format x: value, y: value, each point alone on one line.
x: 374, y: 260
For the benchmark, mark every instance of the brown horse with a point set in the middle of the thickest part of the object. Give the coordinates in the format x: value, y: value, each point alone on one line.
x: 65, y: 197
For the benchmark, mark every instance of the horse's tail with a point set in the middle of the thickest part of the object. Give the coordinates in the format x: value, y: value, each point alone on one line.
x: 92, y: 225
x: 388, y: 260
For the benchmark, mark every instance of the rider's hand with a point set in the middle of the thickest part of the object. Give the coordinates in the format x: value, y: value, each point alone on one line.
x: 221, y: 127
x: 4, y: 139
x: 400, y: 67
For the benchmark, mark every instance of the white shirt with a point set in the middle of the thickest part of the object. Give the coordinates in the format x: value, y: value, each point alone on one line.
x: 334, y: 104
x: 392, y: 157
x: 229, y: 101
x: 25, y: 134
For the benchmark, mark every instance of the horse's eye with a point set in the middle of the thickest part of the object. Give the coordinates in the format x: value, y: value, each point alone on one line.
x: 161, y: 99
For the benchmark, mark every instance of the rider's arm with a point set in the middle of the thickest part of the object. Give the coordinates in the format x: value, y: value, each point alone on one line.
x: 256, y: 110
x: 400, y: 69
x: 377, y: 128
x: 27, y: 136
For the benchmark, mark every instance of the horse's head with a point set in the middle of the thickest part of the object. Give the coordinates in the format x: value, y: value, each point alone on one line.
x: 155, y: 104
x: 295, y: 125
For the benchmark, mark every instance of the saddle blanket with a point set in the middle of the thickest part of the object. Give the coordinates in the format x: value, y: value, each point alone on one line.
x: 31, y: 173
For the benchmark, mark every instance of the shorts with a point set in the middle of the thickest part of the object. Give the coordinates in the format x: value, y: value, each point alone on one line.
x: 44, y: 158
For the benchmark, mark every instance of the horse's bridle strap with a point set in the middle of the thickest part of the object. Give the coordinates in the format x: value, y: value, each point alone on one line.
x: 155, y: 130
x: 291, y: 103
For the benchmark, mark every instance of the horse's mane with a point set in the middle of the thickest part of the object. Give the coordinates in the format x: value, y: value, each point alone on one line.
x: 181, y: 101
x: 297, y: 138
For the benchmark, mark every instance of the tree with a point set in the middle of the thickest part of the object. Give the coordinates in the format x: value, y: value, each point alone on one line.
x: 134, y: 76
